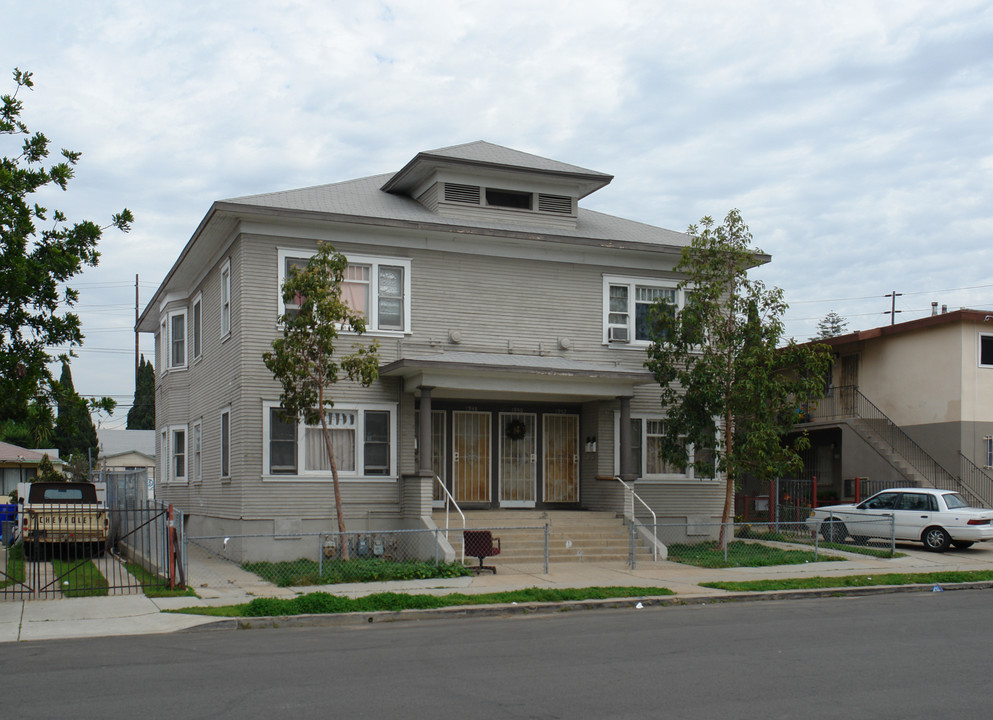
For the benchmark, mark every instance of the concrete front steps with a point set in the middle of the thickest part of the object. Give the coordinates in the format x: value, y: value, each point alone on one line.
x: 573, y: 536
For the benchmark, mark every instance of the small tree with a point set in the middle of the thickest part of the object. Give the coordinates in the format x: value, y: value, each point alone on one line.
x: 47, y: 472
x: 831, y: 325
x: 141, y: 416
x: 303, y: 359
x: 719, y: 363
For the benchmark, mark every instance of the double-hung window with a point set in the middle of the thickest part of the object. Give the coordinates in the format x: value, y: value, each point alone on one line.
x: 196, y: 327
x: 378, y: 288
x: 195, y: 440
x: 363, y: 440
x: 177, y: 464
x: 175, y: 327
x: 226, y: 299
x: 226, y: 443
x: 985, y: 350
x: 626, y: 305
x: 646, y: 438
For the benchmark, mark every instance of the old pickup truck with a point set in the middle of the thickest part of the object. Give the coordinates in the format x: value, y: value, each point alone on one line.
x: 63, y: 519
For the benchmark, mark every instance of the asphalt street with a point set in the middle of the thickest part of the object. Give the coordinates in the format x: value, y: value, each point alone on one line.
x: 913, y: 655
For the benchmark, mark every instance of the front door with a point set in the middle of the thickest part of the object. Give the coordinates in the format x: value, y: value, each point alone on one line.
x: 518, y: 459
x: 471, y: 456
x: 561, y: 458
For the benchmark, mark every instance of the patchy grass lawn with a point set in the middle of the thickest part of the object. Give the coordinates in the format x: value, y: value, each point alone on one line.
x: 154, y: 586
x: 15, y: 566
x: 817, y: 582
x: 79, y: 578
x: 307, y: 572
x: 742, y: 554
x: 325, y: 603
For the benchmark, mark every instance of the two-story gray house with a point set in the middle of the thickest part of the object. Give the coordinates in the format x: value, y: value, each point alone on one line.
x: 512, y: 340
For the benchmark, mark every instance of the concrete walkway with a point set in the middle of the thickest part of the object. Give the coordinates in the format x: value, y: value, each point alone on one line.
x: 219, y: 583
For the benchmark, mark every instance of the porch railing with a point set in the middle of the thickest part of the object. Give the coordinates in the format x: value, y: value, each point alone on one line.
x: 848, y: 402
x: 629, y: 499
x: 450, y: 501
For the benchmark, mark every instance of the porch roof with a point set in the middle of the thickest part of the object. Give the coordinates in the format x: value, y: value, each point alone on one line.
x: 508, y: 376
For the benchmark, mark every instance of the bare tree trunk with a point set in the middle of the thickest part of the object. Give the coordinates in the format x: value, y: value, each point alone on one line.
x: 335, y: 484
x: 729, y: 475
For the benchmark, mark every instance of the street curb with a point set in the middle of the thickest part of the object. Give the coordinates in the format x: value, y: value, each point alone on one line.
x: 536, y: 608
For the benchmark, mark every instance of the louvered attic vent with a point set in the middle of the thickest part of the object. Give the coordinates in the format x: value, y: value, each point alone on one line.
x: 454, y: 192
x: 555, y: 204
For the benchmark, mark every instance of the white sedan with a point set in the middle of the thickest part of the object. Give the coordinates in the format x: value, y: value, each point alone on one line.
x: 937, y: 518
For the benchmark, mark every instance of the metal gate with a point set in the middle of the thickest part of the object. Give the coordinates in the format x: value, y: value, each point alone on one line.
x: 142, y: 550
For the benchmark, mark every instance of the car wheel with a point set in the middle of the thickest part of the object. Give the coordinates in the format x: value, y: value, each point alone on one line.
x: 834, y: 531
x: 936, y: 539
x: 963, y: 544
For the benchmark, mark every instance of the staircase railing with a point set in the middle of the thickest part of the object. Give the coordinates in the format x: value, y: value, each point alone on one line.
x: 848, y: 401
x: 450, y: 501
x: 629, y: 498
x: 977, y: 479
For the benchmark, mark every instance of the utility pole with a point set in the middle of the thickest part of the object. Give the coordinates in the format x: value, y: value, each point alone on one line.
x: 136, y: 330
x: 892, y: 311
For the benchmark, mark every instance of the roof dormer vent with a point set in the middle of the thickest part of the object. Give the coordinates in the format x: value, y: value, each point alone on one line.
x: 555, y: 204
x: 469, y: 194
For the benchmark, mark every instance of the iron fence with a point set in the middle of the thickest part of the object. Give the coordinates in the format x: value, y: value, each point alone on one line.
x: 329, y: 558
x: 722, y: 545
x: 125, y: 546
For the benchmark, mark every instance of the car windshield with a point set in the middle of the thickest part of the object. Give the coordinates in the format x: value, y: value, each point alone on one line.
x: 954, y: 500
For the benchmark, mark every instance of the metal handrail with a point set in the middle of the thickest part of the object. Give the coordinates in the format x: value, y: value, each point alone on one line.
x: 848, y: 401
x: 977, y: 479
x: 632, y: 496
x: 450, y: 500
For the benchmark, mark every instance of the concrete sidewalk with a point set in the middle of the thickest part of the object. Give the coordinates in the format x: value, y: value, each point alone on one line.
x: 218, y: 583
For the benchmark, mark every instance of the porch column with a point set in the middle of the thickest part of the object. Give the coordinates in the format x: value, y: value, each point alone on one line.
x: 624, y: 441
x: 425, y: 450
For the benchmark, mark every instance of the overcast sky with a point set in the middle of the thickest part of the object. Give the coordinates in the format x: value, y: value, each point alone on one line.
x: 856, y: 138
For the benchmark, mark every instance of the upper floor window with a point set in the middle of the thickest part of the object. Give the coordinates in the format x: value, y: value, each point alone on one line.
x: 377, y: 288
x: 226, y: 299
x: 626, y: 302
x: 986, y: 350
x: 196, y: 327
x: 174, y: 339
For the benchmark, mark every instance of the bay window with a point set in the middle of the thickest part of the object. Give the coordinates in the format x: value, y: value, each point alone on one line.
x: 376, y: 288
x: 363, y: 438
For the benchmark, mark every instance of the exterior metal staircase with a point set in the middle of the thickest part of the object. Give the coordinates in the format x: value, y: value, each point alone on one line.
x: 847, y: 404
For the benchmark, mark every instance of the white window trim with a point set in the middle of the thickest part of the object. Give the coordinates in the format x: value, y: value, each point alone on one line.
x: 979, y: 349
x: 631, y: 283
x: 374, y: 261
x: 165, y: 456
x: 304, y: 475
x: 196, y: 333
x: 163, y: 346
x: 220, y: 443
x: 226, y: 300
x: 186, y: 339
x: 988, y: 451
x: 688, y: 476
x: 194, y: 466
x: 171, y: 477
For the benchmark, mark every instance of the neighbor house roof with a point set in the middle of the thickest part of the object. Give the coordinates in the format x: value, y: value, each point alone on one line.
x: 116, y: 442
x: 16, y: 454
x: 955, y: 316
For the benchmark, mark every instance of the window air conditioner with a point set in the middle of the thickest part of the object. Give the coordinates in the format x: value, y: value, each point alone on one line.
x: 618, y: 334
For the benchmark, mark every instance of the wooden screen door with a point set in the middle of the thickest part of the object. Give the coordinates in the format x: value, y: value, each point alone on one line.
x: 471, y: 456
x: 561, y: 458
x: 518, y: 461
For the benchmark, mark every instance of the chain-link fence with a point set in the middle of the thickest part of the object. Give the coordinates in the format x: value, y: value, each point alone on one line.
x: 368, y: 556
x: 817, y: 539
